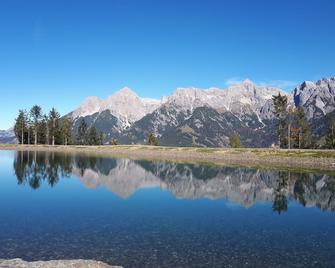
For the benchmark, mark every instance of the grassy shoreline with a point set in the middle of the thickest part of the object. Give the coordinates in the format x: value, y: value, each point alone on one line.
x: 250, y: 157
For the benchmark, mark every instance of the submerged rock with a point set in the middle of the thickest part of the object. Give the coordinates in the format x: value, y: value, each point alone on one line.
x: 18, y: 263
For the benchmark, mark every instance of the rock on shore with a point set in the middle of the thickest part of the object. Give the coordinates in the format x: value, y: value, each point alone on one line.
x: 18, y: 263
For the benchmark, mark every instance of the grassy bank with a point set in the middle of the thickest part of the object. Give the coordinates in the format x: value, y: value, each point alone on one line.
x: 297, y: 159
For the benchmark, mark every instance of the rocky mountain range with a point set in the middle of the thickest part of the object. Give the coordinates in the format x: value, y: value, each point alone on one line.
x: 7, y: 136
x: 202, y: 117
x: 205, y: 117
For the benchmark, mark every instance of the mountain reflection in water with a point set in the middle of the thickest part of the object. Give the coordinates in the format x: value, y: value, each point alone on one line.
x: 124, y: 177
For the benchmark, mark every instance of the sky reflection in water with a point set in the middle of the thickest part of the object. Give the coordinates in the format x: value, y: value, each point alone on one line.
x: 160, y: 214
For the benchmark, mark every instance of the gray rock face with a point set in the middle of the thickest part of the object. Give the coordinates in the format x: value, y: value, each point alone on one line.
x: 131, y: 119
x: 124, y: 105
x: 201, y: 117
x: 205, y: 117
x: 318, y: 98
x: 7, y: 136
x: 18, y: 263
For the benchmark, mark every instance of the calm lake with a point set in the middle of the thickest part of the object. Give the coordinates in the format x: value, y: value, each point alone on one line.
x: 161, y: 214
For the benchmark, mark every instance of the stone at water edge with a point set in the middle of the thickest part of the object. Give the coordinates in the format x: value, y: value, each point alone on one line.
x: 18, y: 263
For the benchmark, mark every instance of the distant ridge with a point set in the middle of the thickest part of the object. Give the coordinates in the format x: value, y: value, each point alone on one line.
x: 205, y: 117
x: 202, y: 117
x: 7, y: 136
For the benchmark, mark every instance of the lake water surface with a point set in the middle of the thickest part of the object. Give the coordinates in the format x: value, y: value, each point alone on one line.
x: 162, y: 214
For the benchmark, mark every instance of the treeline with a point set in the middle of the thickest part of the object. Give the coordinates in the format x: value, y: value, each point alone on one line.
x: 89, y: 136
x: 35, y: 127
x: 294, y: 130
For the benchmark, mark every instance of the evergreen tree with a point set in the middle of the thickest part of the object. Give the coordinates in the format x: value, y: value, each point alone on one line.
x: 66, y: 127
x: 43, y: 129
x: 20, y: 127
x: 101, y: 138
x: 290, y: 122
x: 113, y: 141
x: 82, y: 132
x: 280, y: 203
x: 54, y: 125
x: 36, y: 113
x: 46, y: 129
x: 280, y: 111
x: 235, y: 141
x: 29, y: 128
x: 152, y: 140
x: 330, y: 137
x: 304, y: 132
x: 93, y: 138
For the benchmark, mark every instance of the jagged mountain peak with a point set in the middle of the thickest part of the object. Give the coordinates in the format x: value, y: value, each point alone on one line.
x: 248, y: 82
x: 187, y: 99
x: 124, y: 104
x: 186, y: 90
x: 89, y: 106
x: 126, y: 92
x: 316, y: 97
x: 8, y: 136
x: 307, y: 84
x: 231, y: 98
x: 325, y: 80
x: 313, y: 84
x: 192, y: 115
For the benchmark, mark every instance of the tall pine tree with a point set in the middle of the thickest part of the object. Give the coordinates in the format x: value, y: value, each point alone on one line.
x: 29, y: 128
x: 330, y: 137
x: 304, y: 132
x: 36, y: 113
x: 82, y: 132
x: 280, y: 111
x: 54, y: 125
x: 93, y: 138
x: 101, y: 138
x: 20, y: 127
x: 43, y: 129
x: 46, y: 129
x: 66, y: 128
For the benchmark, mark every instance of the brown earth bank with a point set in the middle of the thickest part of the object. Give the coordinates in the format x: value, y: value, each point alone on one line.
x: 250, y: 157
x: 18, y: 263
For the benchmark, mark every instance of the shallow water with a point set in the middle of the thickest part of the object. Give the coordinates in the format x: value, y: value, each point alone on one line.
x: 162, y: 214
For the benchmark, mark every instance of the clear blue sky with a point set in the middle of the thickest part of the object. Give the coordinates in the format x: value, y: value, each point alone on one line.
x: 55, y: 53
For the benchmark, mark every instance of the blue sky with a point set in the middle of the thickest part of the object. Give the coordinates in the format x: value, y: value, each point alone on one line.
x: 56, y: 53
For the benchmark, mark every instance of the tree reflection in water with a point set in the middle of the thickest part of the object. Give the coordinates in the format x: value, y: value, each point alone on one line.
x: 280, y: 200
x: 241, y: 185
x: 35, y: 167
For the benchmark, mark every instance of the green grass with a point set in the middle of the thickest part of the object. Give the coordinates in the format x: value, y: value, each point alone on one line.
x: 261, y: 152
